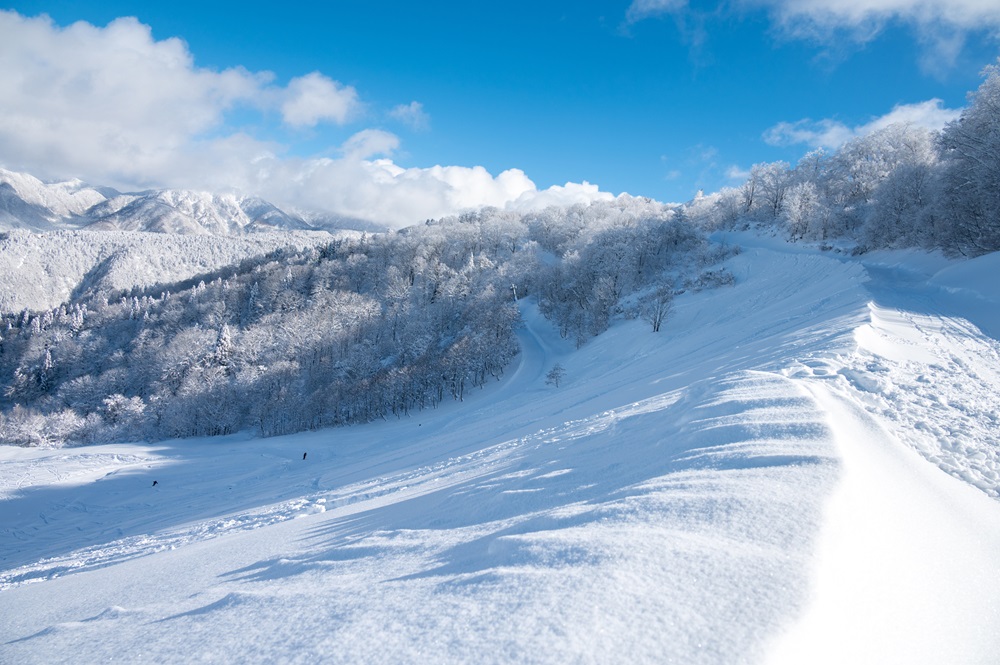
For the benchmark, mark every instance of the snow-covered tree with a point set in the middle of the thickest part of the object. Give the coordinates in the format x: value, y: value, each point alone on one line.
x: 555, y: 375
x: 655, y: 306
x: 971, y: 178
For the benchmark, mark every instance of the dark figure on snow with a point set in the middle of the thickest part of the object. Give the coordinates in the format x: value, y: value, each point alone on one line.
x: 154, y: 483
x: 304, y: 455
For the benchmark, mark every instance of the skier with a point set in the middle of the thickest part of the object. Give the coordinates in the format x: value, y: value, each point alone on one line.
x: 304, y: 455
x: 154, y: 483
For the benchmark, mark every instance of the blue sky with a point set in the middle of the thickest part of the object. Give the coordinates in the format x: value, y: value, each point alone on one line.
x: 654, y: 97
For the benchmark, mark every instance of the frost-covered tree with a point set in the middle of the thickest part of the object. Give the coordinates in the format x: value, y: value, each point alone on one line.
x: 971, y: 177
x: 771, y: 184
x: 655, y: 306
x: 555, y: 375
x: 804, y: 213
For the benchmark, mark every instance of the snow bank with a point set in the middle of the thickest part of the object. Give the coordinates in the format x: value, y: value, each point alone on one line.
x: 907, y: 564
x: 978, y: 275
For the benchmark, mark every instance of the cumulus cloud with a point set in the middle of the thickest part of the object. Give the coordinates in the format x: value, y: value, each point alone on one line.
x: 828, y: 133
x: 412, y: 115
x: 560, y: 195
x: 370, y: 143
x: 84, y: 96
x: 315, y: 98
x: 114, y: 106
x: 380, y: 190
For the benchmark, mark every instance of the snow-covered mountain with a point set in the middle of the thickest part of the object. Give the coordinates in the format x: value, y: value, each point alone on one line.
x: 40, y: 271
x: 186, y: 212
x: 28, y: 203
x: 801, y: 468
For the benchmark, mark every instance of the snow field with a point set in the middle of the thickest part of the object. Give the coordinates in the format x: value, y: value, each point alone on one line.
x: 738, y: 488
x: 498, y: 556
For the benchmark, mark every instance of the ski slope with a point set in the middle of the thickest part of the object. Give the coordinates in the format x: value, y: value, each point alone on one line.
x: 799, y: 468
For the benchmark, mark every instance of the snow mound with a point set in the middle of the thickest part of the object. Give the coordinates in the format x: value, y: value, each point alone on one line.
x: 935, y: 379
x: 978, y: 275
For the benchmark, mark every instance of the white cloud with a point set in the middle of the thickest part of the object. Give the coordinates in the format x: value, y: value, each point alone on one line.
x: 942, y: 25
x: 115, y: 107
x: 735, y: 172
x: 412, y: 115
x: 866, y: 14
x: 106, y: 100
x: 315, y: 98
x: 382, y: 191
x: 832, y: 134
x: 640, y: 9
x: 560, y: 195
x: 370, y: 143
x: 824, y: 133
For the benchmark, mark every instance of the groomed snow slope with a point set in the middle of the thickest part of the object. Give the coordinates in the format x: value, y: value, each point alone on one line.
x: 800, y: 468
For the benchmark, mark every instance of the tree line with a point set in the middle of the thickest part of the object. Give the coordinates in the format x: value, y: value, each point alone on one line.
x: 900, y: 186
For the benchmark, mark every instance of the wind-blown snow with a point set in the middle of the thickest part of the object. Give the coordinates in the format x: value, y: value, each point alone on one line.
x: 744, y: 486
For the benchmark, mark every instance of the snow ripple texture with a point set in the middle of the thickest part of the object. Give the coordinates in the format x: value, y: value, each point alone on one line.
x: 694, y: 510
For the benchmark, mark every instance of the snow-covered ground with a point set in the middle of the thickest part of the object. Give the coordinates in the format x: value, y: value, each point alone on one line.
x: 802, y: 468
x: 41, y: 271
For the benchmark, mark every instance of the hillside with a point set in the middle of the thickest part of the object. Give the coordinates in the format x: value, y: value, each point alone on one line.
x: 44, y: 270
x: 797, y: 468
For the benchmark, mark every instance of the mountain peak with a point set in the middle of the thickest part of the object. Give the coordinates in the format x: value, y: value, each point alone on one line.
x: 27, y: 202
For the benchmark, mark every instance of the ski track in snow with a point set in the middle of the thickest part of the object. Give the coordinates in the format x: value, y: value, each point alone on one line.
x: 739, y: 488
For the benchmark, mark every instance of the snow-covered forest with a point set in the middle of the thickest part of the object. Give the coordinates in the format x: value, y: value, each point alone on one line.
x: 899, y: 186
x: 45, y: 270
x: 350, y: 331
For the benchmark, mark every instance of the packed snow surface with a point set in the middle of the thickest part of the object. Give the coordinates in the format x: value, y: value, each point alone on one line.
x: 801, y: 468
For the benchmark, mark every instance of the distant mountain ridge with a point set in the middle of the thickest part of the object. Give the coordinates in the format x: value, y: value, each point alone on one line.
x: 31, y: 204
